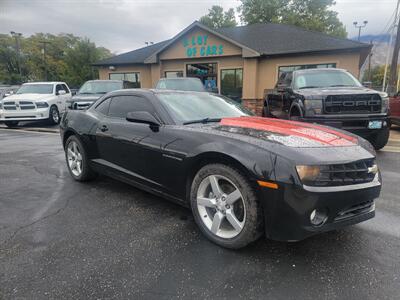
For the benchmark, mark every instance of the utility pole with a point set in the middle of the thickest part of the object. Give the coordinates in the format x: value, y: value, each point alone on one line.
x: 44, y: 58
x: 369, y: 64
x: 390, y: 46
x: 359, y: 27
x: 17, y: 35
x: 395, y: 58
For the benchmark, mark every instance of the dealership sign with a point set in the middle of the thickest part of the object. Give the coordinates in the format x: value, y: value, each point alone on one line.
x: 197, y: 46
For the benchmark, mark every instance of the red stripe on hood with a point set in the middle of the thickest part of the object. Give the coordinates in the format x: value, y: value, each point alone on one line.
x: 313, y: 132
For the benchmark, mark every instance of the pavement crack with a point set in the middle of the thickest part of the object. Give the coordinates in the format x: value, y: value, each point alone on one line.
x: 38, y: 220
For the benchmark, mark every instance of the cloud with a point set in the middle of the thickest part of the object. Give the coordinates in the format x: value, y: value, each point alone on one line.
x: 125, y: 25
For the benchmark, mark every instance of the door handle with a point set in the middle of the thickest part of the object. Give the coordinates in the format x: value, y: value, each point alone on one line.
x: 104, y: 128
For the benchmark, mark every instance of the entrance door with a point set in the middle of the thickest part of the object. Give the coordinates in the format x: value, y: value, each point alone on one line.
x: 206, y: 72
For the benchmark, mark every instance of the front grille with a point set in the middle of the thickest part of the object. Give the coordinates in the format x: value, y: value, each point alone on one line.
x: 25, y: 105
x: 355, y: 210
x: 346, y: 174
x: 351, y: 104
x: 9, y: 105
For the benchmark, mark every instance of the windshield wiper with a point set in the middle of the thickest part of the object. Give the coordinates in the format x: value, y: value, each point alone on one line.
x: 308, y: 87
x: 338, y: 85
x: 203, y: 121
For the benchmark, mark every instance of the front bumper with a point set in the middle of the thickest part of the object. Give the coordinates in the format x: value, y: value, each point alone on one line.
x: 354, y: 124
x: 28, y: 115
x: 287, y: 210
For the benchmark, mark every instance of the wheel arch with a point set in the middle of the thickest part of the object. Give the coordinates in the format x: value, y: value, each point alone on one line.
x: 213, y: 157
x: 69, y: 132
x: 296, y: 107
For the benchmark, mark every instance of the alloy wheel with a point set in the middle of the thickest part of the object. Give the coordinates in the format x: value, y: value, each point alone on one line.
x: 55, y: 115
x: 221, y: 206
x: 74, y: 158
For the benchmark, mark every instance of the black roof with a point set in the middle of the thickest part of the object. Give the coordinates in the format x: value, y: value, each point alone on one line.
x: 279, y: 39
x: 133, y: 57
x: 266, y: 39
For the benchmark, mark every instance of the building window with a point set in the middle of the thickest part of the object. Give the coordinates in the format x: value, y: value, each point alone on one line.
x: 285, y: 69
x: 232, y: 83
x: 206, y: 72
x: 173, y: 74
x: 133, y: 77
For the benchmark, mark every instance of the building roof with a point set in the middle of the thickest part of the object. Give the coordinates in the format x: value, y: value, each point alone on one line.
x: 280, y: 39
x: 132, y: 57
x: 264, y: 39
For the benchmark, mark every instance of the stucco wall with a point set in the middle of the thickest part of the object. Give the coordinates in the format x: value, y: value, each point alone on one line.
x: 144, y: 70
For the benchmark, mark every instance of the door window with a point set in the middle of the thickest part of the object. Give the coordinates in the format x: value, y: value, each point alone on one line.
x: 64, y: 87
x: 58, y: 88
x: 121, y: 105
x: 103, y: 107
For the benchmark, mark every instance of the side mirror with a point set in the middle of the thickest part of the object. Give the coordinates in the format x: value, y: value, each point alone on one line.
x: 142, y: 117
x: 282, y: 88
x: 61, y: 92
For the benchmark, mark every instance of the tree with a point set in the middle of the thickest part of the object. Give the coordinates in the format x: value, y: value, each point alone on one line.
x: 377, y: 73
x: 217, y: 18
x: 68, y: 58
x: 314, y: 15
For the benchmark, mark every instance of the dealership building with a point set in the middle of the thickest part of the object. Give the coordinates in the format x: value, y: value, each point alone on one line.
x: 242, y: 62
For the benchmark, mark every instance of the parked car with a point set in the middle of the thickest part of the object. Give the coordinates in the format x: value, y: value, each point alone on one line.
x: 183, y: 84
x: 395, y: 109
x: 94, y: 89
x: 6, y: 91
x: 331, y: 97
x: 242, y: 176
x: 35, y: 101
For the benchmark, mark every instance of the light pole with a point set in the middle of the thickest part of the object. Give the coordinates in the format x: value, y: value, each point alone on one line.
x: 17, y: 36
x: 359, y: 27
x: 44, y: 57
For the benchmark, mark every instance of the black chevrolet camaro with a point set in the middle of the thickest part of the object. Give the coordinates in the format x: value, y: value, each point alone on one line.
x: 242, y: 176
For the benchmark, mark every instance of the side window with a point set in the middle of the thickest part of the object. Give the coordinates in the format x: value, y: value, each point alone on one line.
x: 103, y: 107
x: 58, y: 88
x: 121, y: 105
x: 288, y: 79
x: 65, y: 88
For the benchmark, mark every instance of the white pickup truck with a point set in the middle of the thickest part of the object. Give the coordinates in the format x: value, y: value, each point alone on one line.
x: 35, y: 101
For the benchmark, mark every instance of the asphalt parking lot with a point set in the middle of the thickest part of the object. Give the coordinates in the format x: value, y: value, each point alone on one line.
x: 61, y: 239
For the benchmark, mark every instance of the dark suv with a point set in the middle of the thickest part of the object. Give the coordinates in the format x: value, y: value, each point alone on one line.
x: 92, y: 90
x: 331, y: 97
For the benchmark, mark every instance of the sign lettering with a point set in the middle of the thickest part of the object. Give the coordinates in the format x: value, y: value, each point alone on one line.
x: 197, y: 46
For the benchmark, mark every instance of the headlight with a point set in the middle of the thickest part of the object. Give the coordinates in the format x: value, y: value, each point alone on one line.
x: 385, y: 104
x: 308, y: 173
x: 42, y: 104
x: 1, y: 105
x: 313, y: 107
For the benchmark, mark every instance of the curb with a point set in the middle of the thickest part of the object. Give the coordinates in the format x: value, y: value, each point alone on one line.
x: 33, y: 129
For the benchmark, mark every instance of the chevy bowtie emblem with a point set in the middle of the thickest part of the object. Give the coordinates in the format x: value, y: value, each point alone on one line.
x: 373, y: 169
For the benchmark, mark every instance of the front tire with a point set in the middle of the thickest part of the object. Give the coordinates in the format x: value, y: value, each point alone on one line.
x: 54, y: 115
x: 77, y: 160
x: 11, y: 124
x: 380, y: 139
x: 225, y: 206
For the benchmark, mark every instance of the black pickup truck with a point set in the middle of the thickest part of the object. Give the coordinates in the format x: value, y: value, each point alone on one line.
x: 331, y: 97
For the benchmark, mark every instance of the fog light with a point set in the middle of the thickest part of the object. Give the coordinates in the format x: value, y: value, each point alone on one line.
x: 318, y: 217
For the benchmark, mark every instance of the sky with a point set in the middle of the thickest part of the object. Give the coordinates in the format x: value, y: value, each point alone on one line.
x: 124, y: 25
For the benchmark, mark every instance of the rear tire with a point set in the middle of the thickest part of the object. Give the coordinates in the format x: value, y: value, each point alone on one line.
x: 380, y: 139
x: 235, y: 210
x: 11, y: 124
x: 54, y: 115
x: 77, y: 160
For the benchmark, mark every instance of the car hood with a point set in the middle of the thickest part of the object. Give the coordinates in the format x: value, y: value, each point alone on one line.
x: 297, y: 141
x: 85, y: 97
x: 322, y: 92
x: 29, y: 97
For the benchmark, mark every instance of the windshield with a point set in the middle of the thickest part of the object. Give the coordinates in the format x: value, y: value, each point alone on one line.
x: 323, y: 78
x: 185, y: 107
x: 181, y: 85
x: 36, y: 89
x: 99, y: 87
